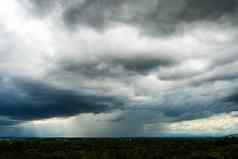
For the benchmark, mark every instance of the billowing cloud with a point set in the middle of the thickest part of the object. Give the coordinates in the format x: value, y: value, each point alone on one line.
x: 117, y: 68
x: 31, y: 100
x: 158, y: 16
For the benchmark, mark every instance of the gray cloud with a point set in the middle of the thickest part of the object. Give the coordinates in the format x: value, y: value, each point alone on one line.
x: 104, y: 13
x: 71, y: 58
x: 44, y: 7
x: 31, y: 100
x: 158, y: 16
x: 209, y: 9
x: 115, y: 66
x: 232, y: 98
x: 4, y: 121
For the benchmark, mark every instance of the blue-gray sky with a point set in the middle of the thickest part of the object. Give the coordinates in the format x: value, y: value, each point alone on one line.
x: 118, y: 68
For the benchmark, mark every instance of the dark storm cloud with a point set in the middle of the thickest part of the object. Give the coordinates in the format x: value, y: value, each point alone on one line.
x: 162, y: 16
x: 118, y: 47
x: 233, y: 99
x: 7, y: 122
x: 115, y: 66
x: 208, y: 9
x: 143, y: 64
x: 89, y: 12
x: 155, y: 17
x: 197, y: 111
x: 31, y: 100
x: 185, y: 111
x: 101, y: 14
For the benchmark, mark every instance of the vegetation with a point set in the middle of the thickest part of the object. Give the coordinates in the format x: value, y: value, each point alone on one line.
x: 121, y: 148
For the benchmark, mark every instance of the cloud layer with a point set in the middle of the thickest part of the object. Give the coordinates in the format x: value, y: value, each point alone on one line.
x: 117, y: 68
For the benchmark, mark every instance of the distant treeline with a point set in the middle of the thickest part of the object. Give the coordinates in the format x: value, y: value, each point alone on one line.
x: 119, y: 148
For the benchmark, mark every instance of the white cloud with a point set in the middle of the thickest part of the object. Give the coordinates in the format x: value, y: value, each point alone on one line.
x: 217, y: 125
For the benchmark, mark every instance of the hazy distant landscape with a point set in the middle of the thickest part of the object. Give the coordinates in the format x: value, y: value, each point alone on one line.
x: 119, y: 148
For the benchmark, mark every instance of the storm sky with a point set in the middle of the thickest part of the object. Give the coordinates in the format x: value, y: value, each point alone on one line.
x: 117, y: 68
